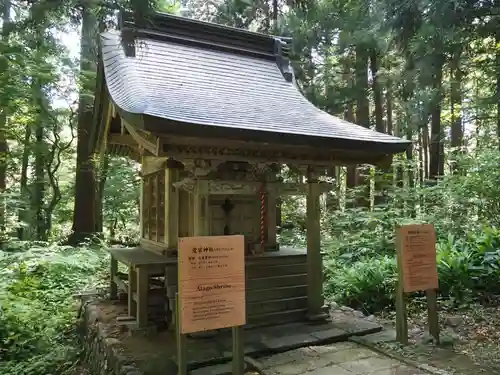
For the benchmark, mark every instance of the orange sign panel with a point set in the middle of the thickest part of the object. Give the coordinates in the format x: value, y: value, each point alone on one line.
x: 417, y: 249
x: 211, y: 282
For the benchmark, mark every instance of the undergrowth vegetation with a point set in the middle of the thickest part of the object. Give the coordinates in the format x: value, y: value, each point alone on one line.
x: 37, y: 311
x: 360, y: 266
x: 37, y: 280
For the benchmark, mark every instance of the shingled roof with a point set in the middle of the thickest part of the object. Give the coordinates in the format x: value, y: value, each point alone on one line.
x: 223, y: 79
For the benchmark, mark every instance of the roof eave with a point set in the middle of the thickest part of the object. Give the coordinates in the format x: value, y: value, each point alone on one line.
x: 164, y: 126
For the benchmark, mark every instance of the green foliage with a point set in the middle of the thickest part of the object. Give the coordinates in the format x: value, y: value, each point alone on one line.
x: 360, y: 252
x: 121, y: 200
x: 37, y: 311
x: 364, y: 285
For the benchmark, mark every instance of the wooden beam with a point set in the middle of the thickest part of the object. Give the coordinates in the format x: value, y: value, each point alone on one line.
x: 227, y: 187
x: 152, y: 164
x: 223, y: 150
x: 122, y: 140
x: 148, y: 145
x: 107, y: 123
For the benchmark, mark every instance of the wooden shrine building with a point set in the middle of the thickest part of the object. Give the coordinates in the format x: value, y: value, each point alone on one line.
x: 213, y: 113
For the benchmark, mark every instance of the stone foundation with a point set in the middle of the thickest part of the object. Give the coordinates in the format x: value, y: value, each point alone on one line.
x: 112, y: 347
x: 102, y: 353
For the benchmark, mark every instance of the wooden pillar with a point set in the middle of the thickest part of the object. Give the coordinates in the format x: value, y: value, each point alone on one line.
x: 142, y: 296
x: 201, y: 217
x: 113, y: 288
x: 171, y: 208
x: 184, y: 210
x: 132, y: 288
x: 314, y: 259
x: 190, y: 214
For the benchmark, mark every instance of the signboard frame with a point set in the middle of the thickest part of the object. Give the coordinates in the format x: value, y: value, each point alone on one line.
x: 416, y: 242
x: 211, y: 282
x: 209, y: 266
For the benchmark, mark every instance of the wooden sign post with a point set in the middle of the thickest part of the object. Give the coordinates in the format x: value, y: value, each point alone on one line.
x: 417, y: 271
x: 211, y: 292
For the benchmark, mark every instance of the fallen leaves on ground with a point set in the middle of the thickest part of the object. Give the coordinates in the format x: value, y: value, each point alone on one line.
x: 472, y: 331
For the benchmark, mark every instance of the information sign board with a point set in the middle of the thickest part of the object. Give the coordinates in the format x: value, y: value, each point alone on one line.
x: 417, y: 249
x: 211, y: 282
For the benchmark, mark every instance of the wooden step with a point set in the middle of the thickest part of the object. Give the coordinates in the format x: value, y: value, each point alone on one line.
x: 282, y: 304
x: 276, y: 281
x: 276, y: 293
x: 267, y: 319
x: 276, y: 318
x: 255, y: 271
x: 275, y: 260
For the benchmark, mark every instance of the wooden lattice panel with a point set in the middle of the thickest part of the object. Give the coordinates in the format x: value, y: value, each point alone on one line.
x: 145, y: 207
x: 160, y: 203
x: 153, y: 208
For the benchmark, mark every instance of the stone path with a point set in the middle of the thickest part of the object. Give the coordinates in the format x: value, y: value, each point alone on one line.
x: 344, y: 358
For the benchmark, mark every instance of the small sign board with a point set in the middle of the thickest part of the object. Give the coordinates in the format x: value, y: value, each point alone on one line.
x: 211, y: 282
x: 417, y: 271
x: 417, y: 249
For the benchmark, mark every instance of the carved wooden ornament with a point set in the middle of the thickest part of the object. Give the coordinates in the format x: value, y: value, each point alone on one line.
x: 211, y: 282
x: 417, y: 250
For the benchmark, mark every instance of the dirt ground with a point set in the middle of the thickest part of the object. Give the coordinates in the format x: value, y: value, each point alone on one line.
x: 470, y: 339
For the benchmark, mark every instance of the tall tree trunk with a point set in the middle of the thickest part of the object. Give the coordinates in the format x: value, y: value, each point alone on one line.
x: 362, y: 102
x: 362, y: 116
x: 436, y: 147
x: 25, y: 194
x: 399, y: 171
x: 381, y: 182
x: 39, y: 186
x: 349, y: 116
x: 275, y: 14
x: 388, y: 109
x: 497, y: 73
x: 409, y: 156
x: 4, y: 149
x: 100, y: 196
x: 408, y: 93
x: 421, y: 155
x: 456, y: 108
x: 84, y: 215
x: 377, y: 91
x: 425, y: 150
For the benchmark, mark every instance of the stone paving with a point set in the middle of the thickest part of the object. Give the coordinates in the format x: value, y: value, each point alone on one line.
x: 344, y: 358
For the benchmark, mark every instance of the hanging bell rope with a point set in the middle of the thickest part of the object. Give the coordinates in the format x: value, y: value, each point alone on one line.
x: 262, y: 216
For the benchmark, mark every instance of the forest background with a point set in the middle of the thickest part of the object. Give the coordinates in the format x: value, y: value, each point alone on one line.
x: 425, y: 70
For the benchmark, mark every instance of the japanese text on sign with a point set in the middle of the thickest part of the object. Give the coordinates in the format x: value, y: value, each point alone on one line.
x: 417, y: 249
